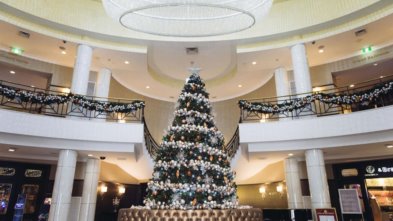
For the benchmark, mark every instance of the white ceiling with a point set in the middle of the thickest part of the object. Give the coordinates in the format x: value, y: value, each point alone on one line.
x: 164, y: 67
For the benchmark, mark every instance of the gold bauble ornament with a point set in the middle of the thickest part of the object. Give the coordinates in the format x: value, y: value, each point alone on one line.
x: 194, y: 202
x: 177, y: 173
x: 211, y: 158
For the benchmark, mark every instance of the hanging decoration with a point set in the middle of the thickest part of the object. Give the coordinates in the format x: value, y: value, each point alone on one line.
x: 89, y: 104
x: 363, y: 98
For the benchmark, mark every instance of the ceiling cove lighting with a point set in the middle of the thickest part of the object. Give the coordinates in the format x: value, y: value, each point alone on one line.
x: 187, y: 18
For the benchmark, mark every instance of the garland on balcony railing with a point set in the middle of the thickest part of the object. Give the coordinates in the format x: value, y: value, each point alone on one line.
x: 48, y: 99
x: 364, y: 98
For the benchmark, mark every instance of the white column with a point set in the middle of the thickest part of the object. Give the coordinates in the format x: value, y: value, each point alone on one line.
x: 80, y: 76
x: 294, y: 191
x: 62, y: 190
x: 282, y: 82
x: 301, y: 69
x: 317, y: 179
x: 103, y: 83
x: 89, y: 195
x: 282, y: 88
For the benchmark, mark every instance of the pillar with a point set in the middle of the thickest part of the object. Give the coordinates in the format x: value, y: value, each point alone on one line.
x: 317, y: 179
x: 89, y: 195
x: 294, y: 191
x: 282, y: 88
x: 102, y: 89
x: 282, y: 82
x: 80, y: 76
x: 301, y: 71
x: 62, y: 190
x: 103, y: 83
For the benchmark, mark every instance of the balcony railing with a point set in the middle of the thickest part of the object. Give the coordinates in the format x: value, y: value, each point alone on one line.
x: 152, y: 146
x: 360, y: 96
x: 60, y: 104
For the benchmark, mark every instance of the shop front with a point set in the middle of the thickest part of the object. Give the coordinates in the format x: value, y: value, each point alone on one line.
x: 373, y: 181
x: 22, y: 190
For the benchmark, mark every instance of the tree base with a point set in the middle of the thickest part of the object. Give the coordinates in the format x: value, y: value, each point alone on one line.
x: 190, y: 215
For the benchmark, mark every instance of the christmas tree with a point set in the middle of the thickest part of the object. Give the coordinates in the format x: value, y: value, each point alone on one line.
x: 192, y: 169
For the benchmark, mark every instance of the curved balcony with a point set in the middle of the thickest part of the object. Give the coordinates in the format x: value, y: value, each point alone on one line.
x: 41, y: 118
x: 354, y: 115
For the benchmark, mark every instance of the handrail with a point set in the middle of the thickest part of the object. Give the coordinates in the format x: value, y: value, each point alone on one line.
x: 152, y: 146
x: 360, y: 96
x: 60, y: 104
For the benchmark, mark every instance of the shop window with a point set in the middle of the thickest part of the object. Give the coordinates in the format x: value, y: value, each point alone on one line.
x: 349, y: 172
x: 6, y: 171
x: 5, y: 193
x: 33, y: 173
x: 31, y: 192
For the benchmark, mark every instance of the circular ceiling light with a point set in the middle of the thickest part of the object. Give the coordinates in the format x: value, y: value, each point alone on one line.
x: 187, y: 18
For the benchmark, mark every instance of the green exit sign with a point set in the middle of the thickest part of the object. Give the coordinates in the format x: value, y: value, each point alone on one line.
x: 367, y: 50
x: 16, y: 50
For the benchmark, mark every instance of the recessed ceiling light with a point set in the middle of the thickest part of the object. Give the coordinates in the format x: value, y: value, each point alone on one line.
x: 11, y: 150
x: 147, y: 87
x: 352, y: 85
x: 389, y: 146
x: 254, y: 63
x: 239, y: 85
x: 63, y: 52
x: 381, y: 76
x: 12, y: 72
x: 375, y: 64
x: 90, y: 155
x: 290, y: 154
x: 32, y: 86
x: 321, y: 49
x: 126, y: 62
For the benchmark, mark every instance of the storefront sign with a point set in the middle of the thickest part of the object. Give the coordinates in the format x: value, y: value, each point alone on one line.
x: 326, y: 214
x: 376, y: 171
x: 349, y: 201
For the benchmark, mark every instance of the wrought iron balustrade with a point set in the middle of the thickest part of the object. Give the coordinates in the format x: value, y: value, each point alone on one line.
x: 359, y: 96
x: 60, y: 104
x: 152, y: 146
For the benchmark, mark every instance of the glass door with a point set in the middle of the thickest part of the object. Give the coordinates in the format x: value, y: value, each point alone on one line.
x: 380, y: 191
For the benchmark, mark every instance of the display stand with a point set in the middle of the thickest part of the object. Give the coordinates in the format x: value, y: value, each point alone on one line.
x: 19, y: 207
x: 326, y: 214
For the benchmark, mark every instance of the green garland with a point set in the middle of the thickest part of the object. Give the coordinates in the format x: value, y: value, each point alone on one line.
x: 89, y: 104
x: 364, y: 98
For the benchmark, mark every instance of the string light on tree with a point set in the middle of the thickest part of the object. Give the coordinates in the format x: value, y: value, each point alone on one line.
x: 191, y: 170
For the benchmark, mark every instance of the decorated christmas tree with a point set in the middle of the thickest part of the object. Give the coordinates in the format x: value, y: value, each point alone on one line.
x: 192, y: 169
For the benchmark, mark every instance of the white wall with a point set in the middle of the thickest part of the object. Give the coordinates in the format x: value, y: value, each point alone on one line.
x: 25, y: 129
x: 363, y: 127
